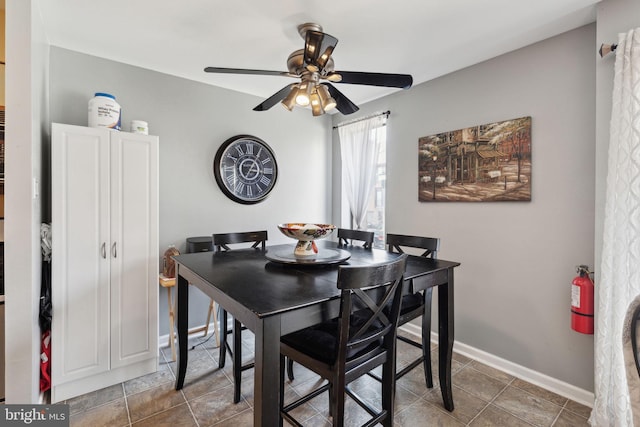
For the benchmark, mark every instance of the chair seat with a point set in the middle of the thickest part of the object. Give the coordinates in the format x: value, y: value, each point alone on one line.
x: 321, y: 341
x: 410, y: 302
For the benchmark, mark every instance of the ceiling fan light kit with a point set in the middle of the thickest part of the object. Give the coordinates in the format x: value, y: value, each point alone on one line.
x: 290, y: 100
x: 328, y: 103
x: 311, y: 65
x: 303, y: 93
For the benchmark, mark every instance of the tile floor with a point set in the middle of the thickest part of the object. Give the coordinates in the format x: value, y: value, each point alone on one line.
x: 483, y: 396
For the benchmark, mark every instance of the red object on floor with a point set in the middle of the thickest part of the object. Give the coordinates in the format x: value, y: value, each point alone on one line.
x: 45, y: 361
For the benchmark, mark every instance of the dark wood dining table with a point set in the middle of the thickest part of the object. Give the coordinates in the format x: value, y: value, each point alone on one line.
x: 273, y: 299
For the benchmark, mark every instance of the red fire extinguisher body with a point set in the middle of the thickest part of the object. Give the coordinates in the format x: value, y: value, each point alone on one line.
x: 582, y: 302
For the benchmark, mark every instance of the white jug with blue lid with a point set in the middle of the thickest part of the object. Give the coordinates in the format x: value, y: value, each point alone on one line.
x: 104, y: 111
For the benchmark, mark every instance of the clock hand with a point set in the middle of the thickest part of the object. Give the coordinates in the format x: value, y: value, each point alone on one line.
x: 253, y: 164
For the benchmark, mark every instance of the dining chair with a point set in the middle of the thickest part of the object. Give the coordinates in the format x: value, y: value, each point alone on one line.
x: 415, y: 305
x: 221, y: 242
x: 630, y: 351
x: 360, y: 339
x: 346, y: 237
x: 205, y: 244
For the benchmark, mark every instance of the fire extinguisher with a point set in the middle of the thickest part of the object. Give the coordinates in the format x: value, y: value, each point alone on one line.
x: 582, y: 301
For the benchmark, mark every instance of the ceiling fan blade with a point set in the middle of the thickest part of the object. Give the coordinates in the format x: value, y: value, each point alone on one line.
x: 245, y: 71
x: 403, y: 81
x: 343, y: 104
x: 275, y: 98
x: 318, y: 48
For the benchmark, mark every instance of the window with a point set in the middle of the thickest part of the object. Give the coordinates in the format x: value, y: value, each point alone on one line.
x: 375, y: 210
x: 363, y: 149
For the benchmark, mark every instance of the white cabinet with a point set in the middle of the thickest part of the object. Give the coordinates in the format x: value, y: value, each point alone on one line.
x: 104, y: 219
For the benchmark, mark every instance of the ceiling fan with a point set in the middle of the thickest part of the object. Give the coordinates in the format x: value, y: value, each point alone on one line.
x: 314, y: 66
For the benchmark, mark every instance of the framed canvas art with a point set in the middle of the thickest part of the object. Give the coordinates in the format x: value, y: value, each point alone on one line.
x: 484, y: 163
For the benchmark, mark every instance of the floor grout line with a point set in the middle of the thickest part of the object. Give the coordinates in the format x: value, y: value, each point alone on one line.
x: 422, y: 403
x: 126, y: 403
x: 195, y: 419
x: 186, y: 401
x: 494, y: 397
x: 478, y: 414
x: 556, y: 418
x: 529, y: 393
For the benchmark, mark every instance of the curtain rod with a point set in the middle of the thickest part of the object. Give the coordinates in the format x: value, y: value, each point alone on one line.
x: 605, y: 49
x: 385, y: 113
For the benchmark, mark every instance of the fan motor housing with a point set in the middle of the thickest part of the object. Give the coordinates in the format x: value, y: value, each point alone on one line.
x: 309, y: 26
x: 295, y: 63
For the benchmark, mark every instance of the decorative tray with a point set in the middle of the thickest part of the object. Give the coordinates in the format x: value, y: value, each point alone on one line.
x: 324, y: 256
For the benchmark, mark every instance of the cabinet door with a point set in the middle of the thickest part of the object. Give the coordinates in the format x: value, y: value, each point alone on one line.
x: 134, y: 248
x: 80, y: 263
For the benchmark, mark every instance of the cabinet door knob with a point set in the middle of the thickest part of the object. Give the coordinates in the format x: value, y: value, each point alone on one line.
x: 114, y: 252
x: 104, y: 250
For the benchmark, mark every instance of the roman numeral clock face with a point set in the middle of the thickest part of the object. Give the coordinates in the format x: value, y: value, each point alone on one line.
x: 245, y: 169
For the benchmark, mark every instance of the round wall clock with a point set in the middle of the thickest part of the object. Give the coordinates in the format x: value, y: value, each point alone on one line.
x: 245, y: 169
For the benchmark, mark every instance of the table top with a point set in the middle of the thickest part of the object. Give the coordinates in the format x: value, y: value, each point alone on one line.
x: 268, y: 288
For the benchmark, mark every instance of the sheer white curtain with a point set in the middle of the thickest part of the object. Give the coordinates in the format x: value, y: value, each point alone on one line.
x: 620, y: 268
x: 359, y: 147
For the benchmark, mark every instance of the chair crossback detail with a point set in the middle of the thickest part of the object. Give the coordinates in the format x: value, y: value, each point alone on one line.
x: 354, y: 299
x: 431, y: 245
x: 221, y: 241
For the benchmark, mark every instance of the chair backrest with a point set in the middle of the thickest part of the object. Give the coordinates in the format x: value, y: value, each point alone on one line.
x: 346, y: 237
x: 221, y: 241
x: 199, y: 244
x: 630, y: 355
x: 431, y: 245
x: 364, y: 325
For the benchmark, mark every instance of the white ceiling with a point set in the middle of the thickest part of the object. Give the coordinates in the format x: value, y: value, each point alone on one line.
x: 424, y: 38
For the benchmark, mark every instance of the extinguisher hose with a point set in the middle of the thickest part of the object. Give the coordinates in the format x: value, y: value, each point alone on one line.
x: 581, y: 314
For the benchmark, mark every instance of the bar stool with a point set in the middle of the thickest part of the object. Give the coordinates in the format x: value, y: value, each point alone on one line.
x: 194, y: 244
x: 205, y: 244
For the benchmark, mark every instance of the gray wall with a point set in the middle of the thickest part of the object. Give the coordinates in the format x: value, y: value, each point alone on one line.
x: 192, y: 120
x: 518, y: 258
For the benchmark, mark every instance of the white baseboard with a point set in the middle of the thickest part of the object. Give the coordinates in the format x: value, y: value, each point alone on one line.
x: 552, y: 384
x: 163, y: 340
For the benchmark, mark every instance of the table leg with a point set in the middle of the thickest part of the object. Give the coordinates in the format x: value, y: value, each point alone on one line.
x: 237, y: 359
x: 266, y: 390
x: 215, y: 323
x: 445, y: 339
x: 182, y: 314
x: 426, y: 337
